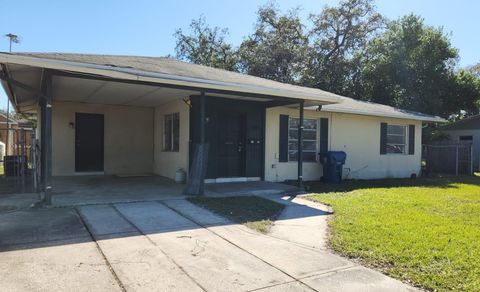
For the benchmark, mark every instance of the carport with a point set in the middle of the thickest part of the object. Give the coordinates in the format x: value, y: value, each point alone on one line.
x: 130, y: 96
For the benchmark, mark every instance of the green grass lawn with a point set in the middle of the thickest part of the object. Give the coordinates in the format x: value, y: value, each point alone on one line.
x: 254, y: 212
x: 425, y: 231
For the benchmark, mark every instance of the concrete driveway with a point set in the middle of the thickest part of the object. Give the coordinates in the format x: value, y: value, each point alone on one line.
x: 172, y: 246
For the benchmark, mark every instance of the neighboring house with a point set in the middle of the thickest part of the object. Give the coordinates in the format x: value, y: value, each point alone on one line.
x: 3, y: 127
x: 132, y: 115
x: 466, y: 131
x: 15, y: 136
x: 4, y: 133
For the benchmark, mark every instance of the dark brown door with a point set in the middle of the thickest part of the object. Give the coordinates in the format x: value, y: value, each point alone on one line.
x: 231, y: 138
x: 88, y: 142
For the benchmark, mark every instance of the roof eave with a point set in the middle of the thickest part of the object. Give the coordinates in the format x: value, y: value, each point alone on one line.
x: 138, y: 75
x: 432, y: 119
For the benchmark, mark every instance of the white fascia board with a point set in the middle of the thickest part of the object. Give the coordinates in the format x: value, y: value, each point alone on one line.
x: 385, y: 115
x: 138, y: 75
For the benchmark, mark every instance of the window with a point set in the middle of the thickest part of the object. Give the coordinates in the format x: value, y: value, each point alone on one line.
x: 171, y: 129
x: 309, y: 139
x: 396, y: 139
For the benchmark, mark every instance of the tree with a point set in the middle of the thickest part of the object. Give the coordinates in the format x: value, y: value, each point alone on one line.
x: 338, y: 37
x: 205, y: 46
x: 276, y: 50
x: 411, y: 66
x: 350, y: 50
x: 475, y: 69
x: 465, y: 95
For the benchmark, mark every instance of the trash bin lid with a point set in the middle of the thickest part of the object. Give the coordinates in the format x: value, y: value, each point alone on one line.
x: 337, y: 156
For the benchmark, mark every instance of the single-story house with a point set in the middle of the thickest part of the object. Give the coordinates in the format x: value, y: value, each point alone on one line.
x: 102, y: 114
x: 466, y: 131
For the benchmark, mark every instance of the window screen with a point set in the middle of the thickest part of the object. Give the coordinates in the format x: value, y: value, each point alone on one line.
x: 396, y: 139
x: 171, y: 132
x: 309, y: 139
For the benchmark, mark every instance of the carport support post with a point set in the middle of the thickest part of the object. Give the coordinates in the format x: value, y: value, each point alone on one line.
x: 198, y: 165
x: 202, y: 117
x: 46, y: 137
x: 201, y: 189
x: 300, y: 146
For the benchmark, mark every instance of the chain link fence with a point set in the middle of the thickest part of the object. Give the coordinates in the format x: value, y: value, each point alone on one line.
x: 19, y: 160
x: 448, y: 158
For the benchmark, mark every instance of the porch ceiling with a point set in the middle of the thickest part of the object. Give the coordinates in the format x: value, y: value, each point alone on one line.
x: 118, y: 93
x: 114, y: 93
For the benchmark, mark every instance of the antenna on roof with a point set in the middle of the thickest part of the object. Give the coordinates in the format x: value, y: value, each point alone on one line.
x: 13, y: 39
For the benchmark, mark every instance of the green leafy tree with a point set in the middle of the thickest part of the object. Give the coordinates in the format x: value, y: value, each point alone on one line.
x: 276, y: 50
x: 338, y: 36
x: 410, y: 66
x: 475, y: 69
x: 465, y: 94
x: 350, y: 49
x: 206, y: 46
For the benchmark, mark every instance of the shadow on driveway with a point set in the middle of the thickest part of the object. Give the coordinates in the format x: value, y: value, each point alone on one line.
x: 174, y: 245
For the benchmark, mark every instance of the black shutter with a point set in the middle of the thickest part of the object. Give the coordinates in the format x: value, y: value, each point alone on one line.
x: 283, y: 139
x: 383, y: 138
x: 323, y: 135
x: 411, y: 139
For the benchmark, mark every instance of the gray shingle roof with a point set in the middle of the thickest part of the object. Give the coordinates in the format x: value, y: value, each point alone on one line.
x: 470, y: 123
x: 174, y: 67
x: 165, y: 65
x: 354, y: 106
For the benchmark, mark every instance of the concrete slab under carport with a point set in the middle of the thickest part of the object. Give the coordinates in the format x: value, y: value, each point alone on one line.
x: 15, y: 201
x: 106, y: 189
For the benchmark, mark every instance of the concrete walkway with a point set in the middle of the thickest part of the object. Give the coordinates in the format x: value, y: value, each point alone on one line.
x: 302, y: 221
x: 173, y: 245
x: 296, y: 247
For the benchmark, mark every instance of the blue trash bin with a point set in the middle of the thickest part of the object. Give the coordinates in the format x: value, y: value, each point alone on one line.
x: 333, y: 162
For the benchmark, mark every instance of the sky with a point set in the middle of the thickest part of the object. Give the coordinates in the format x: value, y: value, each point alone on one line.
x: 145, y: 28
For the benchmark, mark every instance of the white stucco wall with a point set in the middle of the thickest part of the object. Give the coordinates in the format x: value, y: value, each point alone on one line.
x: 454, y: 136
x: 128, y: 134
x: 134, y: 142
x: 167, y: 162
x: 357, y: 135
